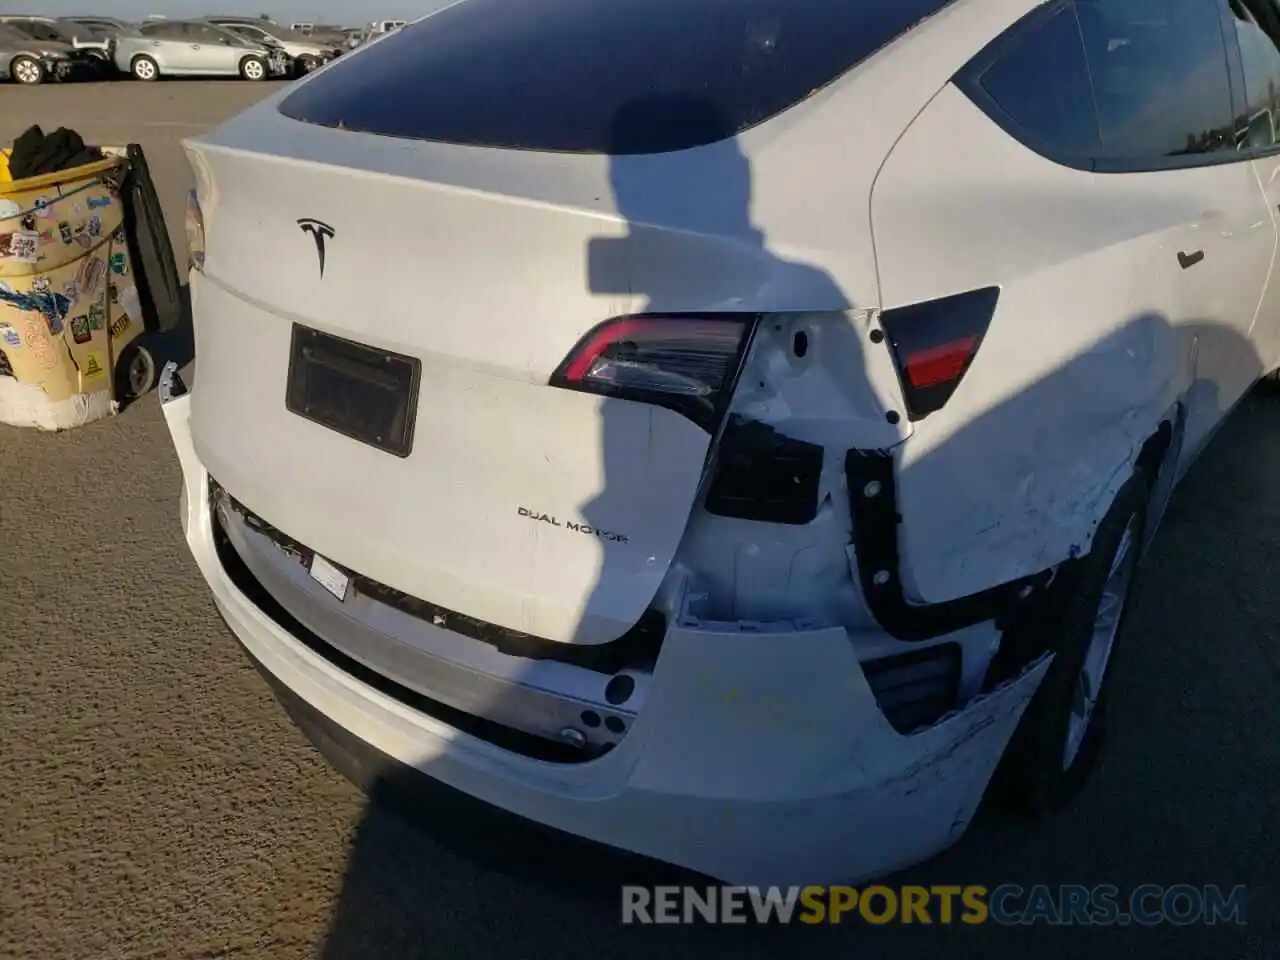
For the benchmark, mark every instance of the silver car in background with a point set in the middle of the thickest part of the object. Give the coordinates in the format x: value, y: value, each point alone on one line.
x: 306, y: 53
x: 30, y: 62
x: 163, y: 48
x: 89, y: 47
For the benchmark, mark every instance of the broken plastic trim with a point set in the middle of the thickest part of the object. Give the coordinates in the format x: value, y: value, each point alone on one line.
x: 765, y: 476
x: 873, y: 505
x: 638, y: 645
x: 507, y: 738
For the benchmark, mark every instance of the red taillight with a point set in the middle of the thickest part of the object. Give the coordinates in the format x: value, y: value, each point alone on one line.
x: 688, y: 363
x: 934, y: 343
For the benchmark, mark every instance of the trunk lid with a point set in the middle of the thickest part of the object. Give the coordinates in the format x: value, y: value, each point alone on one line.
x: 544, y: 510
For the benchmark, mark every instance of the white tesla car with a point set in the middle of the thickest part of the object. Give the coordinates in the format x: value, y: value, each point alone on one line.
x: 724, y: 430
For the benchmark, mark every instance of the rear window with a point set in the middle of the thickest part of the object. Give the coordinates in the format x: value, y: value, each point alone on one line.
x: 557, y: 74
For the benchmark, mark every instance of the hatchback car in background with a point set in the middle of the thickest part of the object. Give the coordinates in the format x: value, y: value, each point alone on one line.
x: 740, y: 456
x: 160, y: 48
x: 28, y: 61
x: 89, y: 47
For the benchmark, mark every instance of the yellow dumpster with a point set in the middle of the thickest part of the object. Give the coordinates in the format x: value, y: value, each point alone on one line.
x: 70, y: 308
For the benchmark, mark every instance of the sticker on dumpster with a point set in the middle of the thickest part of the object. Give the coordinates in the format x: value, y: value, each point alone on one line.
x: 80, y: 331
x: 37, y: 339
x: 29, y: 223
x: 11, y: 337
x: 41, y: 285
x: 96, y: 316
x: 119, y: 326
x: 91, y: 275
x: 43, y: 208
x: 130, y: 302
x: 51, y: 305
x: 118, y: 265
x: 95, y: 226
x: 9, y: 209
x: 113, y: 293
x: 64, y: 229
x: 70, y: 290
x: 97, y: 203
x: 92, y: 365
x: 22, y: 245
x: 55, y: 325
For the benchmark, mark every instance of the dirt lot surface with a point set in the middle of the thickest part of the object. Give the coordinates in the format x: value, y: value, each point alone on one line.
x: 155, y: 802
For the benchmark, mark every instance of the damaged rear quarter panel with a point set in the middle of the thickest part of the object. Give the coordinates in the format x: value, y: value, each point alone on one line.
x: 1083, y: 359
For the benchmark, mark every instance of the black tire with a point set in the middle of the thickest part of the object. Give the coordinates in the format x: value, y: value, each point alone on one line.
x: 27, y: 71
x: 254, y: 68
x: 1035, y: 779
x: 144, y: 68
x: 135, y: 372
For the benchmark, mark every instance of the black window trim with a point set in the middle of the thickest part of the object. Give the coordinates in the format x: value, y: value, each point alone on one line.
x: 969, y: 80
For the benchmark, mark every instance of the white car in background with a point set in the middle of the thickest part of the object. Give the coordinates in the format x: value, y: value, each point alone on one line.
x: 191, y: 48
x: 728, y: 445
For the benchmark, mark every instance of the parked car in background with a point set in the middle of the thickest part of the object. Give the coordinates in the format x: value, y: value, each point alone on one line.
x: 104, y: 24
x: 86, y: 40
x: 379, y: 27
x: 304, y: 27
x: 305, y: 53
x: 160, y: 48
x: 28, y: 61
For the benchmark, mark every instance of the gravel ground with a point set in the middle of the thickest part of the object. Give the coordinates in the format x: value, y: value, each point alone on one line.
x: 157, y: 803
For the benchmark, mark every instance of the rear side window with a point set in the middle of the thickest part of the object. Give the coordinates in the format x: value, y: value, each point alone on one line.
x: 1115, y: 84
x: 1042, y: 84
x: 170, y: 30
x: 555, y: 74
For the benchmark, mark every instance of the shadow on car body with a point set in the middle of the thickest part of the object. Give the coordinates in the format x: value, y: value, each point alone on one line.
x: 433, y: 873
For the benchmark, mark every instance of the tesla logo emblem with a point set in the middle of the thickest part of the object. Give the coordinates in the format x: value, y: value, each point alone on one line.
x: 320, y: 232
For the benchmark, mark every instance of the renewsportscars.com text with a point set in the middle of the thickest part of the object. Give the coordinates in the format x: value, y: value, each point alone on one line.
x: 1007, y: 905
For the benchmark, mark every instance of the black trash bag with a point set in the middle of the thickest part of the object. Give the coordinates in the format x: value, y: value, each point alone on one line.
x: 36, y: 153
x: 155, y: 270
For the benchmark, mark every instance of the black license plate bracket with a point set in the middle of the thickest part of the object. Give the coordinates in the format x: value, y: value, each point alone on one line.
x: 362, y: 392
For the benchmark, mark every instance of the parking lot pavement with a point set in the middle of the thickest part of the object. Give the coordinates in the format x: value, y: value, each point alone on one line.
x: 157, y: 804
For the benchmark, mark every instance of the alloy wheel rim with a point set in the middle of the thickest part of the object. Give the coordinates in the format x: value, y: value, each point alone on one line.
x: 144, y: 69
x: 253, y: 70
x: 28, y: 72
x: 1097, y: 657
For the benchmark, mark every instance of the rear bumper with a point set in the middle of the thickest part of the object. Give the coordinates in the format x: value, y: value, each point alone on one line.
x: 759, y: 757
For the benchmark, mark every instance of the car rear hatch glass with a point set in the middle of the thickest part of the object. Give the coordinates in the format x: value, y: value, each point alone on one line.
x: 552, y: 74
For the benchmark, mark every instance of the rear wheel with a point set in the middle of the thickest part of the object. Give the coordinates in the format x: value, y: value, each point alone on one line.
x: 1060, y: 737
x: 144, y: 68
x: 253, y: 68
x: 27, y: 70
